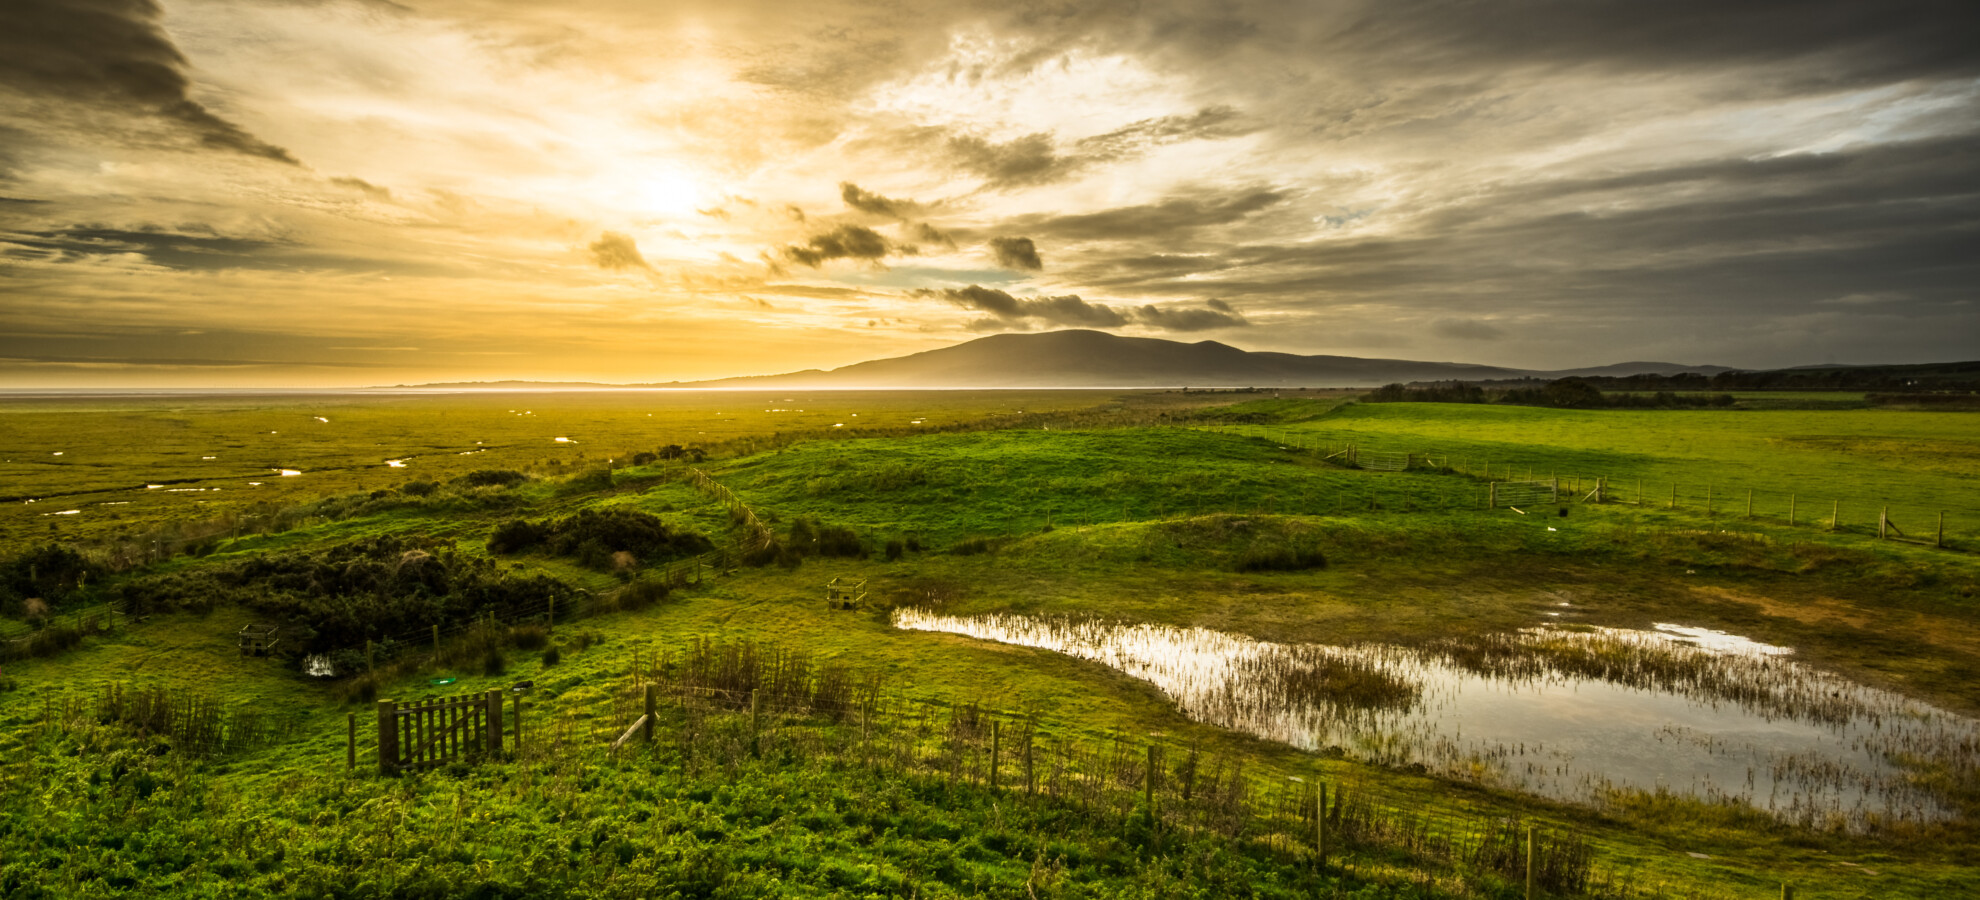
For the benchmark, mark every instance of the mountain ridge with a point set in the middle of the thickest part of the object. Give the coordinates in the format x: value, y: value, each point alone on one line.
x: 1096, y: 359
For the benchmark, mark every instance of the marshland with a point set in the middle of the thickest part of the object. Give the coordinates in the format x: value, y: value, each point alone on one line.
x: 1104, y: 642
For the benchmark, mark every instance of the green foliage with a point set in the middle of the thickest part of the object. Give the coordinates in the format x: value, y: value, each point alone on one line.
x: 493, y: 478
x: 337, y: 597
x: 593, y: 536
x: 54, y: 573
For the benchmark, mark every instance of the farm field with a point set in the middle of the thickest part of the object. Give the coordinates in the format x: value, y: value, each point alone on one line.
x: 1865, y: 459
x: 1218, y: 513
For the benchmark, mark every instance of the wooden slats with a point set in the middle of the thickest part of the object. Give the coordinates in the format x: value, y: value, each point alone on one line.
x: 429, y: 733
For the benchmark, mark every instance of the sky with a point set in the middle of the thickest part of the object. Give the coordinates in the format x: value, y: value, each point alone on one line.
x: 350, y: 192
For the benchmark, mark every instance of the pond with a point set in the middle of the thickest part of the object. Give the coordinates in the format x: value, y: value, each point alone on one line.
x: 1573, y: 713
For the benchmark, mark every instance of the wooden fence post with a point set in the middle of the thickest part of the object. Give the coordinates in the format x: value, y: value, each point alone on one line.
x: 552, y: 626
x: 649, y: 712
x: 1835, y: 515
x: 755, y: 722
x: 1492, y: 499
x: 1790, y: 509
x: 1787, y: 891
x: 1883, y: 523
x: 388, y: 737
x: 1030, y: 782
x: 1749, y: 503
x: 1940, y: 541
x: 996, y: 748
x: 1674, y: 495
x: 494, y: 711
x: 1708, y: 499
x: 1320, y: 827
x: 1529, y: 862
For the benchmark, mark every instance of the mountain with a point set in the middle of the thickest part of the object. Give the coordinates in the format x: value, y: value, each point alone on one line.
x: 1097, y: 359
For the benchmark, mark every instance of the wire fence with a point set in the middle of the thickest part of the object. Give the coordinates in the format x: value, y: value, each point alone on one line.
x: 802, y: 713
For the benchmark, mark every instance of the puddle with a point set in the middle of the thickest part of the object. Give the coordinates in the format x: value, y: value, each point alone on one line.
x: 289, y: 473
x: 565, y: 440
x: 397, y: 463
x: 1571, y: 713
x: 318, y: 418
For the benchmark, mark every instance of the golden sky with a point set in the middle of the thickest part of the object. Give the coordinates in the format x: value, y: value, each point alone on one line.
x: 206, y: 192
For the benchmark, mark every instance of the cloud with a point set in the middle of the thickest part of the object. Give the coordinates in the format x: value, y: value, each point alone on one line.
x: 1016, y: 253
x: 1467, y: 329
x: 1171, y: 217
x: 617, y: 252
x: 1069, y: 310
x: 1168, y: 318
x: 112, y: 56
x: 1073, y: 311
x: 1036, y: 159
x: 922, y: 231
x: 843, y: 242
x: 362, y: 186
x: 1029, y: 160
x: 867, y: 201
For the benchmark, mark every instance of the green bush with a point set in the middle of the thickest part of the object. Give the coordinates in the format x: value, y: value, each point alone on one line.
x: 493, y: 478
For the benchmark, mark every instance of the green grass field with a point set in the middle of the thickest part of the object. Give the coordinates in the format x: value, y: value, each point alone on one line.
x: 1128, y: 523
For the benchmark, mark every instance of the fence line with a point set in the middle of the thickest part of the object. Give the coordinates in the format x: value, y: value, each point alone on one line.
x: 1167, y: 785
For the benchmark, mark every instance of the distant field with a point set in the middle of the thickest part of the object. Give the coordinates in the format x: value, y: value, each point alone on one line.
x: 97, y: 456
x: 1918, y: 463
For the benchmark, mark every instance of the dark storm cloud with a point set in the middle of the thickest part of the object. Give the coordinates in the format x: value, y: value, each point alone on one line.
x: 843, y: 242
x: 869, y: 202
x: 1016, y: 253
x: 195, y: 248
x: 1809, y: 44
x: 617, y: 252
x: 1757, y: 237
x: 111, y: 56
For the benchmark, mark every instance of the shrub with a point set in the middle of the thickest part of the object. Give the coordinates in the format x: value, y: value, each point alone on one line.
x: 973, y: 546
x: 643, y: 593
x: 1281, y: 559
x: 552, y: 656
x: 643, y: 458
x: 494, y: 663
x: 529, y: 637
x: 515, y: 536
x: 895, y: 548
x: 493, y: 478
x: 418, y: 488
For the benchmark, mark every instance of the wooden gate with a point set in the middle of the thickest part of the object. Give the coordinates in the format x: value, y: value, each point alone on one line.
x: 426, y: 733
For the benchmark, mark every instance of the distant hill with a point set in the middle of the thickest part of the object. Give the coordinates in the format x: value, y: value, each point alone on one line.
x: 1098, y: 359
x: 1071, y: 359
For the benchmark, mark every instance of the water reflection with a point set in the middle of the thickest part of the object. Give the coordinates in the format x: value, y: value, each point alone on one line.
x: 1580, y: 714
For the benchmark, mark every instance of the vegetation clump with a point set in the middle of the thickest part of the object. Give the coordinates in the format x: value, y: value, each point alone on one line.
x: 593, y: 536
x: 336, y: 598
x: 492, y: 478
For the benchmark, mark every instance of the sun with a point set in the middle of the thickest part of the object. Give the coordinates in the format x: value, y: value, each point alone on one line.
x: 666, y: 192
